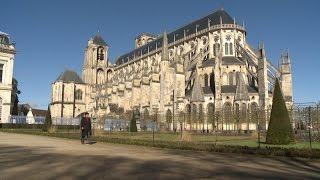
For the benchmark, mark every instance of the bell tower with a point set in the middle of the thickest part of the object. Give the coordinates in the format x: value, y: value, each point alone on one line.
x: 95, y: 61
x: 94, y: 74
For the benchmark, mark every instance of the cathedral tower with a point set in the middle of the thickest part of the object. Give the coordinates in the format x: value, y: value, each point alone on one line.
x: 94, y: 73
x: 95, y: 61
x: 286, y: 79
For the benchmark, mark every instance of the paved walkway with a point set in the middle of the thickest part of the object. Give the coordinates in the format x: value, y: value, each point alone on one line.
x: 37, y: 157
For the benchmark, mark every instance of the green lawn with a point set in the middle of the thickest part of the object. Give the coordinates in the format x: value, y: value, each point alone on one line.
x: 241, y: 140
x: 234, y: 140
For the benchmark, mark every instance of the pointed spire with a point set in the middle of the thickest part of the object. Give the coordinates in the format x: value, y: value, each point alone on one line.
x: 262, y: 50
x: 285, y: 58
x: 165, y: 53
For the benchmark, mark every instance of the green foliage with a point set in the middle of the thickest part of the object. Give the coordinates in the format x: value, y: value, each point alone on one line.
x: 279, y: 129
x: 133, y: 123
x: 48, y: 121
x: 14, y: 97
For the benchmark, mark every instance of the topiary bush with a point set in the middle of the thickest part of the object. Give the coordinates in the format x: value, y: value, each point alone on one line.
x: 279, y: 129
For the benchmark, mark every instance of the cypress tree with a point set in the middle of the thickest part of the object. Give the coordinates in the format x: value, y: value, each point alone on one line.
x: 48, y: 121
x: 133, y: 124
x: 279, y: 129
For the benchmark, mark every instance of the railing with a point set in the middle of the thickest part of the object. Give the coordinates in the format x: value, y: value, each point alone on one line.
x: 26, y: 120
x: 65, y: 121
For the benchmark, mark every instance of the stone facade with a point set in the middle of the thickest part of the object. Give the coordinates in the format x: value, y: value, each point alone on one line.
x: 205, y: 66
x: 7, y: 55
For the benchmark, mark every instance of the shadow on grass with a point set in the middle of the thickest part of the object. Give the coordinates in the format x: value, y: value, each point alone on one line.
x: 18, y: 162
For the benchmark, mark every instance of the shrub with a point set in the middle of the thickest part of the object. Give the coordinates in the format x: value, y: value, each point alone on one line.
x: 48, y: 121
x: 133, y: 124
x: 279, y: 129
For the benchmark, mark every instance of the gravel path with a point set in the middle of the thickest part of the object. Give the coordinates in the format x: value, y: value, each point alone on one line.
x: 38, y: 157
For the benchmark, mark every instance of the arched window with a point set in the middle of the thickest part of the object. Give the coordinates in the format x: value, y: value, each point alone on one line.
x: 0, y: 108
x: 216, y: 49
x: 254, y: 112
x: 210, y: 114
x: 100, y: 76
x: 206, y: 79
x: 226, y: 48
x: 109, y: 75
x: 227, y: 112
x: 231, y: 48
x: 78, y: 94
x: 169, y: 116
x: 100, y: 53
x: 212, y: 83
x: 243, y: 112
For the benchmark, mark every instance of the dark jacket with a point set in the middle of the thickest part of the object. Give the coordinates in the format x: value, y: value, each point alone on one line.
x: 86, y: 123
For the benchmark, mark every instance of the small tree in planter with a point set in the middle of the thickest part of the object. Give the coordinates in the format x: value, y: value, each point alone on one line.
x: 48, y: 121
x: 279, y: 129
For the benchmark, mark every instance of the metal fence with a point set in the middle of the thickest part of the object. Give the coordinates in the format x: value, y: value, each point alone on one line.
x: 66, y: 121
x: 232, y: 127
x: 26, y: 120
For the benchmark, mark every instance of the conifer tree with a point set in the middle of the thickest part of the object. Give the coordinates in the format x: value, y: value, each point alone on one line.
x: 133, y: 124
x: 280, y: 128
x: 48, y: 121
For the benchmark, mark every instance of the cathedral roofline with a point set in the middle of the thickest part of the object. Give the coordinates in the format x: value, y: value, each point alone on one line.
x: 216, y: 18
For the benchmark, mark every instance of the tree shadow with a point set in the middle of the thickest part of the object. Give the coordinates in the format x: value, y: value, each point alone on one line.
x: 17, y: 162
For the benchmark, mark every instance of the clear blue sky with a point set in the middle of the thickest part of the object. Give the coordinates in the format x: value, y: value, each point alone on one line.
x: 51, y: 36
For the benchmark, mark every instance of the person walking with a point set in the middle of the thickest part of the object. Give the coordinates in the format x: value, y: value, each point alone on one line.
x: 85, y: 127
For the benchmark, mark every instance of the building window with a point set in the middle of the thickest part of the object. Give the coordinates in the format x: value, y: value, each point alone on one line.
x: 216, y: 49
x: 100, y: 76
x: 226, y: 48
x: 231, y: 48
x: 78, y: 94
x: 100, y: 53
x: 1, y: 72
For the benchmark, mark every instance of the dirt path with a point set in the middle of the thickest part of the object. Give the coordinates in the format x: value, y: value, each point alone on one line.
x: 37, y: 157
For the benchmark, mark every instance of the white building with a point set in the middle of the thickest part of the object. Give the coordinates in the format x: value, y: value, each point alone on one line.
x: 7, y: 52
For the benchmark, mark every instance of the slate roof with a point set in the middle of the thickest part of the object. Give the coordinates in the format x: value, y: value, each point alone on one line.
x: 231, y: 60
x: 70, y: 76
x: 232, y: 89
x: 189, y: 29
x: 208, y: 63
x: 98, y: 40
